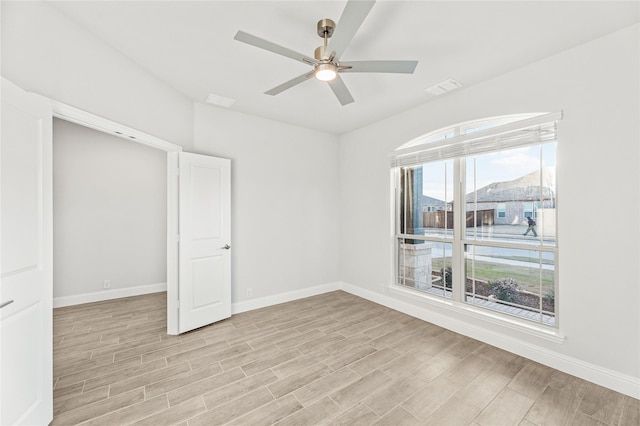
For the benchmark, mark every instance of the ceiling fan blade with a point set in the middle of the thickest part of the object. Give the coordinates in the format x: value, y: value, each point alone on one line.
x: 272, y: 47
x: 352, y: 17
x: 289, y: 84
x: 340, y: 90
x: 402, y: 67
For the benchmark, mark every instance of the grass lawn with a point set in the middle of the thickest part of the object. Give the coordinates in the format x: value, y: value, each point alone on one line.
x: 527, y: 278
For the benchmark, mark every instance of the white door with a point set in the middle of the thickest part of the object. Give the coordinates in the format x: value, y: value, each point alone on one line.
x: 26, y: 286
x: 205, y: 237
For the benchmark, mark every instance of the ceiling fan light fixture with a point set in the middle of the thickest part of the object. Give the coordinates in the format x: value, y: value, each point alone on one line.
x: 326, y: 71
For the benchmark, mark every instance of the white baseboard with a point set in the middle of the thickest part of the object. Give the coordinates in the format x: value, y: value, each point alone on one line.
x: 263, y: 302
x: 617, y: 381
x: 116, y: 293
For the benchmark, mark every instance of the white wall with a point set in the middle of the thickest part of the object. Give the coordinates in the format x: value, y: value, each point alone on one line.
x: 596, y: 85
x: 109, y: 214
x: 284, y: 196
x: 45, y: 52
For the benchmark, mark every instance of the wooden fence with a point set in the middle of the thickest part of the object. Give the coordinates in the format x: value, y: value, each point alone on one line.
x: 441, y: 218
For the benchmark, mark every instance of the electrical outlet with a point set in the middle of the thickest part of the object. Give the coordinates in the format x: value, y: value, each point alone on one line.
x: 249, y: 292
x: 106, y: 284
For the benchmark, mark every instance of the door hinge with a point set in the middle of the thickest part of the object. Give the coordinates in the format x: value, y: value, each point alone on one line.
x: 177, y: 238
x: 178, y: 171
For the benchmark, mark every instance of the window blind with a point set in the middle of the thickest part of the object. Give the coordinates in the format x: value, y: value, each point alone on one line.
x: 531, y: 131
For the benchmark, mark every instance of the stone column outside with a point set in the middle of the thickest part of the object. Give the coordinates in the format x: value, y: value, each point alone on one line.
x: 415, y: 265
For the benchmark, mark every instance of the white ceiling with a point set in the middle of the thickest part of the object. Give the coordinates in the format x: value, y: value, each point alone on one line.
x: 190, y: 46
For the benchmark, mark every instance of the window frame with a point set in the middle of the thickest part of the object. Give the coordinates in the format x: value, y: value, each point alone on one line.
x: 461, y: 242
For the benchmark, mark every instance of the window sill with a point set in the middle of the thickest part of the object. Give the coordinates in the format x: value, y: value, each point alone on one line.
x: 476, y: 313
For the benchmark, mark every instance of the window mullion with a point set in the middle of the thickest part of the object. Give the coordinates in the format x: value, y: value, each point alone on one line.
x: 459, y: 229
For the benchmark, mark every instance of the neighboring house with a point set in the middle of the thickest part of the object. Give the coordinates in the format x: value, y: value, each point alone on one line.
x: 514, y: 201
x: 430, y: 204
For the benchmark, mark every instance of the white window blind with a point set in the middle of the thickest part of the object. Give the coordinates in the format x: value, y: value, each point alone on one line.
x: 531, y: 131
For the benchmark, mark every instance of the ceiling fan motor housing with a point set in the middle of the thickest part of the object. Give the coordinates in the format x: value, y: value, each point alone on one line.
x: 319, y: 53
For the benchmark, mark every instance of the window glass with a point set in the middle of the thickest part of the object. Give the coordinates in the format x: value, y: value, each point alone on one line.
x: 425, y: 266
x: 513, y: 281
x: 425, y: 199
x: 510, y: 195
x: 527, y: 209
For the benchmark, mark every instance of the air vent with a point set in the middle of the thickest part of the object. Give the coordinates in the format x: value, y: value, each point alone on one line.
x: 220, y: 100
x: 444, y: 87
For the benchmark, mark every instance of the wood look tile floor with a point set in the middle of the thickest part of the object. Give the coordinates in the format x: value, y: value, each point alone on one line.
x: 333, y: 359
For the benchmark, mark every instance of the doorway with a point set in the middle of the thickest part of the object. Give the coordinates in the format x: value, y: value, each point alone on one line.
x: 110, y: 225
x: 127, y: 134
x: 109, y: 216
x: 195, y: 184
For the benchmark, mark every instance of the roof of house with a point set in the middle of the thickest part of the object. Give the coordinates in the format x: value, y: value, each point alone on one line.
x: 525, y: 188
x: 430, y: 201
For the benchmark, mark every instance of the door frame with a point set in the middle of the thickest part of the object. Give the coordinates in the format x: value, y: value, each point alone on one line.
x: 92, y: 121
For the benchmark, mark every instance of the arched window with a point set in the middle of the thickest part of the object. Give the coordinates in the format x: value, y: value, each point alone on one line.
x: 475, y: 215
x: 467, y: 127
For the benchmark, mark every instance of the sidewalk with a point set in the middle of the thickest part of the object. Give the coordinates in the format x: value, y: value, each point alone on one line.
x: 511, y: 233
x: 512, y: 310
x: 508, y: 233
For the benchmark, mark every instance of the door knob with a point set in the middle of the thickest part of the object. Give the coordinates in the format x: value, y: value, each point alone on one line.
x: 226, y: 247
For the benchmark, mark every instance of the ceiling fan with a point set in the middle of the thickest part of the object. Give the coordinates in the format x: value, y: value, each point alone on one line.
x: 326, y: 61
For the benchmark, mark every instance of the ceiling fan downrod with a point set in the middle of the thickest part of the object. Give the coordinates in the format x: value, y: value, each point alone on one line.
x: 325, y: 31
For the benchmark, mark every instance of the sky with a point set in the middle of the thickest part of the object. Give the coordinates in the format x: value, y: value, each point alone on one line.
x: 489, y: 168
